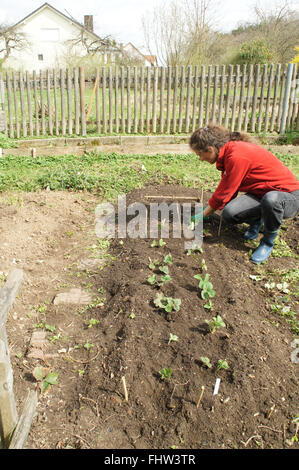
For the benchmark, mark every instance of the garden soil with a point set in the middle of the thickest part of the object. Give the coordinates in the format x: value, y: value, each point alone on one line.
x: 113, y: 334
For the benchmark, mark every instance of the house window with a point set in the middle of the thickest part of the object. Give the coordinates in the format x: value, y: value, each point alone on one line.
x: 49, y: 34
x: 40, y: 57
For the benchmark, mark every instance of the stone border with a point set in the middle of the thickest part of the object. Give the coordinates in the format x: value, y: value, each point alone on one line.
x: 105, y: 140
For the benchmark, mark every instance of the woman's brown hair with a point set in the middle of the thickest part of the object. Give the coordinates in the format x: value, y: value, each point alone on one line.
x: 215, y: 136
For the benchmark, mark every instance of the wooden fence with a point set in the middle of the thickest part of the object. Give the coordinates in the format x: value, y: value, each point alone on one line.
x: 156, y: 100
x: 13, y: 430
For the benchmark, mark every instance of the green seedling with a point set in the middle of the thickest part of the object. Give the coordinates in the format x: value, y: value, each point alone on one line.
x: 132, y: 316
x: 154, y: 280
x: 206, y: 362
x: 203, y: 265
x: 192, y: 251
x: 296, y: 422
x: 44, y: 380
x: 165, y: 373
x: 55, y: 338
x: 164, y: 269
x: 167, y: 303
x: 153, y: 264
x: 206, y: 286
x: 215, y: 323
x: 92, y: 322
x: 51, y: 328
x: 167, y: 259
x: 159, y: 243
x: 222, y: 365
x: 88, y: 346
x: 209, y: 305
x: 172, y: 338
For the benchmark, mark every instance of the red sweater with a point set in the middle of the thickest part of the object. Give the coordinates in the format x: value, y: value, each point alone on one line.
x: 249, y: 168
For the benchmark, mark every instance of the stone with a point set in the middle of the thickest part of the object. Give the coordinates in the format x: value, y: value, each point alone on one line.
x: 91, y: 264
x: 74, y: 296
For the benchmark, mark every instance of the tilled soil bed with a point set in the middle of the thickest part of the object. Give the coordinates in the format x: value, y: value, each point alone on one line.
x: 257, y: 400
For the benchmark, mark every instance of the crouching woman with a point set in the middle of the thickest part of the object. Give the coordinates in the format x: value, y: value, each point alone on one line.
x: 271, y: 189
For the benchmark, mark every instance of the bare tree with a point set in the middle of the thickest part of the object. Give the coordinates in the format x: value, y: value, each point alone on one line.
x: 180, y: 32
x: 279, y: 27
x: 10, y: 40
x: 92, y: 45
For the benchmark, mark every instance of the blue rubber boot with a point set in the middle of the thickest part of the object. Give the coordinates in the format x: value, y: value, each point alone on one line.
x: 265, y: 248
x: 253, y: 231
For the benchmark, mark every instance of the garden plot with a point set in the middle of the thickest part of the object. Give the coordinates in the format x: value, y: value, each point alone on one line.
x: 179, y: 348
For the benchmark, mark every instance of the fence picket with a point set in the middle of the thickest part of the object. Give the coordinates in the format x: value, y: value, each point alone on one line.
x: 255, y: 96
x: 207, y: 117
x: 175, y: 93
x: 69, y: 101
x: 169, y: 79
x: 261, y: 107
x: 162, y: 86
x: 141, y: 99
x: 242, y: 97
x: 189, y: 78
x: 215, y: 83
x: 148, y: 86
x: 283, y: 78
x: 228, y: 91
x: 136, y: 100
x: 222, y: 84
x: 29, y: 103
x: 50, y: 124
x: 202, y: 92
x: 237, y: 77
x: 62, y: 98
x: 77, y: 101
x: 268, y: 101
x: 110, y: 101
x: 23, y: 109
x: 55, y: 103
x: 116, y: 102
x: 9, y: 105
x: 122, y: 98
x: 155, y: 93
x: 181, y: 99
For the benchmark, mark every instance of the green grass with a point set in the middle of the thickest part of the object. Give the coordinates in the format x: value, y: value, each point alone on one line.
x: 110, y: 174
x: 107, y: 174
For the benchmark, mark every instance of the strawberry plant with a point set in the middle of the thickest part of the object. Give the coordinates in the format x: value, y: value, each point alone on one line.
x: 44, y: 380
x: 206, y: 286
x: 167, y: 303
x: 206, y: 362
x: 222, y: 365
x: 215, y: 323
x: 159, y: 243
x: 165, y: 373
x: 208, y: 305
x: 172, y: 338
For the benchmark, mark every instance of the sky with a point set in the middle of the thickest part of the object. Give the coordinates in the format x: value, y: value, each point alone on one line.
x: 122, y: 19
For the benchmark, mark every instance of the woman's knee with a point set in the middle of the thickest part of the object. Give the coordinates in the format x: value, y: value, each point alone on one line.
x: 228, y: 214
x: 271, y: 200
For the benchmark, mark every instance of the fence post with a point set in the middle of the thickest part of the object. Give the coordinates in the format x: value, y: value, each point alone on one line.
x: 286, y: 99
x: 8, y: 411
x: 82, y: 101
x: 3, y: 126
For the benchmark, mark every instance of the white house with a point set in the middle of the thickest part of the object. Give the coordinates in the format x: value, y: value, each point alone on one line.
x: 53, y: 38
x: 134, y: 53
